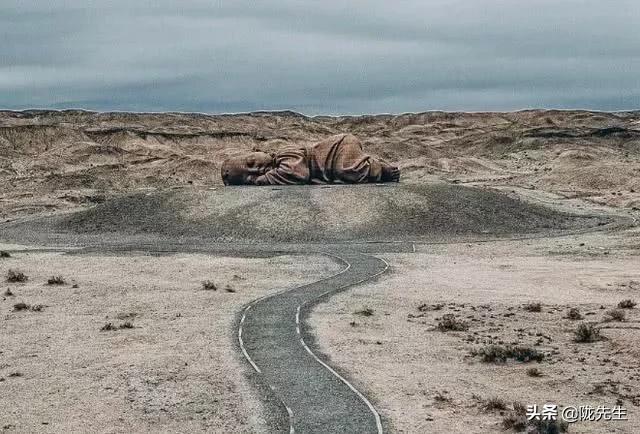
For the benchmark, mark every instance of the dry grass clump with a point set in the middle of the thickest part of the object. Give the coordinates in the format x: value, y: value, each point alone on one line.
x: 534, y: 372
x: 4, y: 254
x: 24, y: 306
x: 55, y: 280
x: 449, y: 322
x: 15, y: 276
x: 229, y: 289
x: 427, y: 307
x: 615, y: 315
x: 110, y: 327
x: 574, y: 314
x: 494, y: 404
x: 533, y: 307
x: 627, y: 304
x: 516, y: 420
x: 587, y: 332
x: 501, y: 354
x: 208, y: 285
x: 367, y: 311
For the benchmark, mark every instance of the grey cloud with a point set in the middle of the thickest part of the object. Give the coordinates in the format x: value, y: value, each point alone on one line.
x: 320, y: 56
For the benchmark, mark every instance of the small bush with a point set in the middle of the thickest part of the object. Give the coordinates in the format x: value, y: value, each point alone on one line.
x: 107, y: 327
x: 21, y: 306
x: 615, y: 315
x: 500, y: 354
x: 367, y: 311
x: 229, y: 289
x: 15, y: 276
x: 627, y: 304
x: 533, y: 307
x: 587, y: 332
x: 449, y: 322
x: 4, y: 254
x: 55, y: 280
x: 8, y: 293
x: 574, y: 314
x: 494, y: 404
x: 110, y: 327
x: 208, y: 285
x: 517, y: 421
x: 37, y: 308
x: 534, y: 372
x: 427, y: 307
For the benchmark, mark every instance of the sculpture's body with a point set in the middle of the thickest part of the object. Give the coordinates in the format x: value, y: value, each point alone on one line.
x: 337, y: 159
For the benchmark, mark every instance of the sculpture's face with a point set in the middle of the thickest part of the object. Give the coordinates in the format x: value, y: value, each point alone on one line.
x: 245, y: 169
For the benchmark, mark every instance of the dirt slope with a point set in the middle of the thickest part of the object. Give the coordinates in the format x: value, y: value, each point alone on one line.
x: 51, y: 160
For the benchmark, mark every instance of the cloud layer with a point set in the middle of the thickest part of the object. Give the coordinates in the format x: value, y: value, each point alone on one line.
x: 315, y: 57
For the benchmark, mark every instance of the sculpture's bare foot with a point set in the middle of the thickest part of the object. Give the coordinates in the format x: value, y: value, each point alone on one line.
x: 390, y: 174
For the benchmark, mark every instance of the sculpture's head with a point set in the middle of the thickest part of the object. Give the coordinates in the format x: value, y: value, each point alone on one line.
x: 243, y: 170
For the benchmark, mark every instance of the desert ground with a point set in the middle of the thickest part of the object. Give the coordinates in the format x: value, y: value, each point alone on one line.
x: 507, y: 231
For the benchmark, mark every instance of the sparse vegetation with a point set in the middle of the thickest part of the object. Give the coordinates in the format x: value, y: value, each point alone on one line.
x: 8, y: 293
x: 208, y: 285
x: 229, y: 289
x: 110, y: 326
x: 56, y: 280
x: 587, y: 332
x: 574, y: 314
x: 516, y: 420
x: 4, y: 254
x: 627, y: 304
x: 615, y: 315
x: 441, y: 397
x: 15, y: 276
x: 20, y: 306
x: 367, y: 311
x: 449, y: 322
x: 533, y: 307
x: 494, y: 404
x: 427, y: 307
x: 534, y: 372
x: 501, y: 354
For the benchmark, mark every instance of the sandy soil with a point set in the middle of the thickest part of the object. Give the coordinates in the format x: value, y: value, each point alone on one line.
x: 57, y: 160
x: 426, y: 380
x: 176, y: 370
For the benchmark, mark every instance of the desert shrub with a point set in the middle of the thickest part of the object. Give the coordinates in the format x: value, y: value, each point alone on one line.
x: 4, y: 254
x: 501, y: 354
x: 533, y: 307
x: 516, y: 420
x: 534, y: 372
x: 8, y: 292
x: 126, y: 325
x: 108, y: 327
x: 494, y: 404
x: 615, y: 315
x: 587, y: 332
x: 367, y: 311
x: 208, y: 285
x: 574, y: 314
x: 55, y: 280
x: 21, y: 306
x: 15, y: 276
x: 229, y: 289
x: 627, y: 304
x: 449, y: 322
x: 427, y: 307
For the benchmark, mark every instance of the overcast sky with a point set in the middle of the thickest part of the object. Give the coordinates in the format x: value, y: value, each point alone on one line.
x: 328, y: 56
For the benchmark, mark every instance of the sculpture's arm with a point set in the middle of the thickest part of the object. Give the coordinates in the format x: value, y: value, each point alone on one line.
x: 291, y: 168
